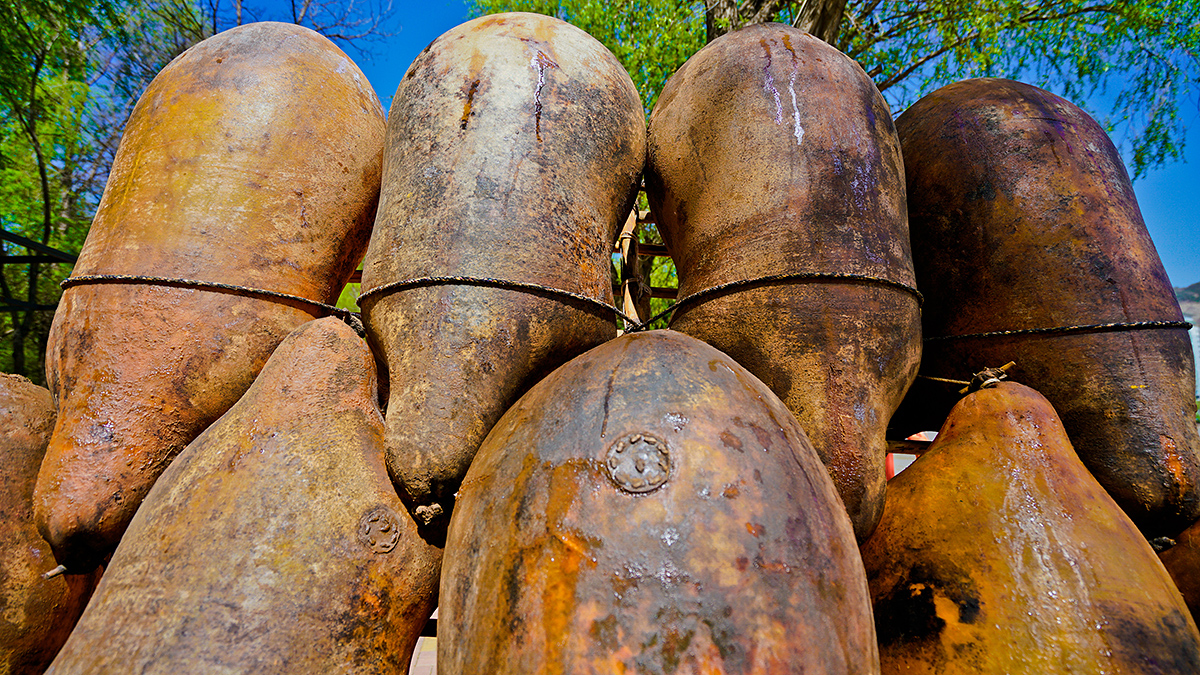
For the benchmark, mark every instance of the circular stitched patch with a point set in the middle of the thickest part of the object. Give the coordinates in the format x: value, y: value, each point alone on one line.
x: 379, y: 529
x: 639, y: 463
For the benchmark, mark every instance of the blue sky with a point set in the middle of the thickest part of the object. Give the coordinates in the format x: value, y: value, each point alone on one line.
x: 1167, y: 196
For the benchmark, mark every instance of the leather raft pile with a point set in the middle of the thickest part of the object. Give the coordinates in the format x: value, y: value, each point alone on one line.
x: 267, y: 490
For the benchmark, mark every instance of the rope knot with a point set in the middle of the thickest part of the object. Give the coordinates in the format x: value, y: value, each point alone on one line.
x: 988, y: 378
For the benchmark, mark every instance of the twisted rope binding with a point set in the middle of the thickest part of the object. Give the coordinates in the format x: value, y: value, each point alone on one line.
x: 796, y: 276
x: 405, y: 284
x: 352, y: 319
x: 635, y: 325
x: 986, y: 378
x: 1067, y: 330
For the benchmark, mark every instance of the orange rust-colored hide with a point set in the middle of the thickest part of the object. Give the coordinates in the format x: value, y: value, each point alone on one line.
x: 36, y: 614
x: 1023, y: 218
x: 1183, y: 563
x: 252, y: 159
x: 514, y: 146
x: 651, y: 507
x: 999, y: 553
x: 275, y: 542
x: 771, y: 153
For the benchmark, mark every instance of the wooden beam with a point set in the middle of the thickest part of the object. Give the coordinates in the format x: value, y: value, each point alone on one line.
x: 32, y: 245
x: 908, y: 447
x: 26, y: 259
x: 653, y: 249
x: 18, y: 306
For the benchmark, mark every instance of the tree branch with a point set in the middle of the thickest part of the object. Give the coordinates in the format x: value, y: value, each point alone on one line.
x: 922, y: 61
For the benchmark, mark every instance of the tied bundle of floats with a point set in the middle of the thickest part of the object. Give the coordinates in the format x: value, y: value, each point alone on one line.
x: 224, y: 478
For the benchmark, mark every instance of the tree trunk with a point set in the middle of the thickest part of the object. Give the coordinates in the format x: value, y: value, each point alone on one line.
x: 18, y: 343
x: 821, y: 18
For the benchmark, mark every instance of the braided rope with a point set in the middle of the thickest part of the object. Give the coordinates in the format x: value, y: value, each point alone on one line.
x: 1066, y: 330
x: 634, y: 324
x: 352, y: 319
x: 418, y: 282
x: 796, y: 276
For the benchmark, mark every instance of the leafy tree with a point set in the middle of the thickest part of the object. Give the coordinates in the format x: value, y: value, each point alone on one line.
x: 822, y: 18
x: 70, y: 71
x: 70, y: 74
x: 1143, y: 56
x: 356, y: 24
x: 42, y: 67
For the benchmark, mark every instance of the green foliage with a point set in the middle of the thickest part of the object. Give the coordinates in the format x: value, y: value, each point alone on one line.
x: 70, y: 74
x: 43, y: 91
x: 58, y: 129
x: 1142, y: 56
x: 348, y: 299
x: 70, y: 71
